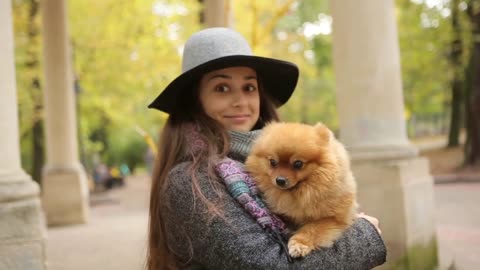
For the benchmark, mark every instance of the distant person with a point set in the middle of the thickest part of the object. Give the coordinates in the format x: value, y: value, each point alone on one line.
x: 116, y: 178
x: 101, y: 174
x: 124, y: 170
x: 216, y: 108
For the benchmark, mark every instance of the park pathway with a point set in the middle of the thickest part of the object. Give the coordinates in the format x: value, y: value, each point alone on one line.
x: 115, y: 237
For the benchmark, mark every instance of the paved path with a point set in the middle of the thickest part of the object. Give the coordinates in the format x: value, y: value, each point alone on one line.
x: 458, y: 224
x: 115, y: 237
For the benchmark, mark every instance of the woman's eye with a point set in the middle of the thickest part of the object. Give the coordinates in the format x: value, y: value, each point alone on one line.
x: 222, y: 88
x: 250, y: 88
x: 297, y: 164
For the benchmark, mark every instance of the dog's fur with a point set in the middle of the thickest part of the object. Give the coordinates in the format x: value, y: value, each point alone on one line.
x: 320, y: 196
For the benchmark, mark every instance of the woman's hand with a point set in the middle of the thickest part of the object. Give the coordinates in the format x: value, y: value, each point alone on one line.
x: 372, y: 220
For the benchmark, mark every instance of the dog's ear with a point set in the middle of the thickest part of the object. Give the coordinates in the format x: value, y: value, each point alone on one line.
x: 324, y: 133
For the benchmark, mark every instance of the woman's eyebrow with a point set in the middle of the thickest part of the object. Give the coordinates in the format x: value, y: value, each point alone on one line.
x: 223, y: 76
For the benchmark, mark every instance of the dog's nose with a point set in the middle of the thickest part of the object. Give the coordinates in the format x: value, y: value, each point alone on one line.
x: 281, y: 181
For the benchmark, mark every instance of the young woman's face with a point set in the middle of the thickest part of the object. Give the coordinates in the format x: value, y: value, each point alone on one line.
x: 231, y: 97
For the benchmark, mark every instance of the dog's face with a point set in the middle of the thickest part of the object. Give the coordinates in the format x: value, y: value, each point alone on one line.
x: 287, y: 155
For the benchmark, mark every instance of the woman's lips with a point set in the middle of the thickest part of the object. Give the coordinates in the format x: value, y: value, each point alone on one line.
x: 238, y: 118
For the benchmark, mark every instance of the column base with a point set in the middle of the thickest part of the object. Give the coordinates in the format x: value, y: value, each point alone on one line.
x: 390, y: 152
x: 400, y: 194
x: 65, y: 196
x: 22, y: 224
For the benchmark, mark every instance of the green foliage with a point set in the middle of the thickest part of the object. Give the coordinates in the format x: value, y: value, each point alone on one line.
x: 125, y: 52
x: 26, y: 23
x: 425, y: 37
x: 130, y: 149
x: 308, y: 10
x: 317, y: 84
x: 314, y: 98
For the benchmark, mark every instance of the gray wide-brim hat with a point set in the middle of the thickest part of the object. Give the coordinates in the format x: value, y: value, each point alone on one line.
x: 218, y: 48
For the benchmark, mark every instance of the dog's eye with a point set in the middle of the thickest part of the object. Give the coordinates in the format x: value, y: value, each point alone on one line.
x: 297, y: 164
x: 273, y: 163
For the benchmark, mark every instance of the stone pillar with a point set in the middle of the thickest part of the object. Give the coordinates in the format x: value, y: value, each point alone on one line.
x: 22, y: 224
x: 216, y: 13
x: 393, y: 182
x: 64, y: 184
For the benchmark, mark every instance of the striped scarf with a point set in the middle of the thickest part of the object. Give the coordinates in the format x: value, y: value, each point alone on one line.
x: 242, y: 187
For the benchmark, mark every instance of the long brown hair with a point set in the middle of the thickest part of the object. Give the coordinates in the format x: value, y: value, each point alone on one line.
x: 172, y: 150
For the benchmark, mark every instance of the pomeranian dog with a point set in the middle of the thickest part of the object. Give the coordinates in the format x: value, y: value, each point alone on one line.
x: 304, y: 175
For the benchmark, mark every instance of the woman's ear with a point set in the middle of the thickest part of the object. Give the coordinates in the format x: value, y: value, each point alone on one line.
x: 324, y: 132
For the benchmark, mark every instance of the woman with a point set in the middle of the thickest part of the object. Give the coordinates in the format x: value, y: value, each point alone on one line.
x: 216, y: 108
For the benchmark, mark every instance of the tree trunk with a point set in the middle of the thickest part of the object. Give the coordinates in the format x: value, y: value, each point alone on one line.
x: 38, y: 148
x: 457, y: 82
x: 215, y: 13
x: 472, y: 147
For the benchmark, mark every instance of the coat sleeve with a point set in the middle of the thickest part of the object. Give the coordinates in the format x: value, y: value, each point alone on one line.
x: 238, y: 242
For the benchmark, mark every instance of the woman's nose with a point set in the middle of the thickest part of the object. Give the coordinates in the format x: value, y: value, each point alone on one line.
x: 239, y: 98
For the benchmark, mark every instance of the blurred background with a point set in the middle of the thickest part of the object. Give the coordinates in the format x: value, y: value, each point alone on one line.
x: 123, y: 53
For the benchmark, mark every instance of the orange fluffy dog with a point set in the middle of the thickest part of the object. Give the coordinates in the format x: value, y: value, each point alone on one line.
x: 304, y: 175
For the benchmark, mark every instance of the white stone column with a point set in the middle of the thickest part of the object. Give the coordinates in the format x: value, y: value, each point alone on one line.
x: 216, y: 13
x: 394, y: 183
x: 64, y: 184
x: 368, y: 78
x: 22, y: 224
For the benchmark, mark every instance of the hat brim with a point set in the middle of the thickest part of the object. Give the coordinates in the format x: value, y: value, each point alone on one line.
x: 279, y: 79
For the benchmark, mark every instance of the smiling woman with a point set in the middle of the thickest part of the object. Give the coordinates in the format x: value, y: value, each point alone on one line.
x: 231, y: 97
x: 204, y: 209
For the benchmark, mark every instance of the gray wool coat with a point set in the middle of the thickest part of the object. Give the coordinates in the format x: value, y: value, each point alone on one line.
x: 238, y: 241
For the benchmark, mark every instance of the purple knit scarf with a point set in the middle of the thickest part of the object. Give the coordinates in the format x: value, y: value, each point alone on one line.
x: 241, y: 187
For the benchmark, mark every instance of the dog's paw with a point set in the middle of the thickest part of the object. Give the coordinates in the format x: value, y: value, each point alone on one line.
x: 298, y: 249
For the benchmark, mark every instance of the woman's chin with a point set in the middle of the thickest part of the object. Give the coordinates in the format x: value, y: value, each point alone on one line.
x: 245, y: 127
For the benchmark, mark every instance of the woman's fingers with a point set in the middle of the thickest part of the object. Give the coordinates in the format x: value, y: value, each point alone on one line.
x: 372, y: 220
